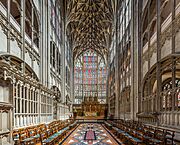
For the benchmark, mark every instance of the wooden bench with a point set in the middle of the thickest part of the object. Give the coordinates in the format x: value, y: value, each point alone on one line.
x: 51, y: 140
x: 44, y: 133
x: 34, y: 134
x: 134, y: 132
x: 169, y: 137
x: 25, y: 139
x: 72, y: 125
x: 16, y: 137
x: 108, y: 125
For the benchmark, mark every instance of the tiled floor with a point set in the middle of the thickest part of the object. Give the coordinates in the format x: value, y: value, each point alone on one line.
x: 78, y: 136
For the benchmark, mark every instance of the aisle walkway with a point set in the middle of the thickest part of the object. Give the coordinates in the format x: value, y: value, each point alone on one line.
x: 90, y: 133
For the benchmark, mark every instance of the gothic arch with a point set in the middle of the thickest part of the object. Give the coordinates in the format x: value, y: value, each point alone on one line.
x: 168, y: 92
x: 165, y: 72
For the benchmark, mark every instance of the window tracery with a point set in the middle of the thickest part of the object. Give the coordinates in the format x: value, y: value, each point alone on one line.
x: 168, y: 93
x: 90, y: 76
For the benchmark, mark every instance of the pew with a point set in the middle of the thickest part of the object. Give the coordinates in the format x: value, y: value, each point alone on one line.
x: 34, y: 134
x: 134, y: 132
x: 47, y: 134
x: 51, y: 140
x: 16, y: 137
x: 169, y: 138
x: 25, y: 139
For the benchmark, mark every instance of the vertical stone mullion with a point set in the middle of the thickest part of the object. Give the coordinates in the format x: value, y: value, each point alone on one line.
x: 158, y: 65
x: 21, y: 106
x: 16, y: 98
x: 123, y: 40
x: 33, y: 109
x: 116, y: 58
x: 12, y: 101
x: 23, y: 27
x: 173, y: 59
x: 32, y: 26
x: 149, y: 43
x: 37, y: 107
x: 28, y: 90
x: 140, y: 70
x: 1, y: 120
x: 152, y: 104
x: 133, y: 59
x: 166, y: 97
x: 11, y: 124
x: 20, y: 97
x: 8, y: 24
x: 97, y: 75
x: 32, y: 105
x: 40, y: 108
x: 25, y: 95
x: 24, y: 106
x: 30, y: 112
x: 46, y: 106
x: 82, y: 81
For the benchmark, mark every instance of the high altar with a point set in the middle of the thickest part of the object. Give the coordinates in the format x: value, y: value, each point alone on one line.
x: 90, y: 108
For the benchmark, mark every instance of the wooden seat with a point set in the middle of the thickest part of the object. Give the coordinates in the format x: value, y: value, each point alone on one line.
x: 46, y: 134
x: 49, y: 132
x: 55, y: 137
x: 25, y: 139
x: 33, y: 134
x: 135, y: 132
x: 16, y: 137
x: 43, y: 136
x: 169, y: 137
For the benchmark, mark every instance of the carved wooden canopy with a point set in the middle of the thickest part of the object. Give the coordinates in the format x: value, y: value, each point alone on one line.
x: 89, y: 25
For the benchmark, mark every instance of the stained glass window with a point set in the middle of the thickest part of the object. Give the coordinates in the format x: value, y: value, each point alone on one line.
x: 90, y: 76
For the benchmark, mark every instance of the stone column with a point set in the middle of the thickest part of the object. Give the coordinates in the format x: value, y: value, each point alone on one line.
x: 8, y: 25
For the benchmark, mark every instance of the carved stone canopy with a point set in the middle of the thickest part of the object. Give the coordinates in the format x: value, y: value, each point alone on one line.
x: 57, y: 94
x: 5, y: 107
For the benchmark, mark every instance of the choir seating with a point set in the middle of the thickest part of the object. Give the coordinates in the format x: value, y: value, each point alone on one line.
x: 47, y: 134
x: 16, y: 137
x: 134, y: 132
x: 108, y: 125
x: 33, y: 133
x: 25, y: 139
x: 169, y: 138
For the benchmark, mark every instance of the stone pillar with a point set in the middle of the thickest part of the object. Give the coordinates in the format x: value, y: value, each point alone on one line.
x: 133, y: 62
x: 1, y: 120
x: 20, y: 105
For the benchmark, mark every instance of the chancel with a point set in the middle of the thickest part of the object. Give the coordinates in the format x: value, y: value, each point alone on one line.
x: 83, y: 72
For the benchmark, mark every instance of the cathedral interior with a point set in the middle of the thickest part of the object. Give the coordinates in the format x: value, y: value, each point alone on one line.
x: 89, y: 72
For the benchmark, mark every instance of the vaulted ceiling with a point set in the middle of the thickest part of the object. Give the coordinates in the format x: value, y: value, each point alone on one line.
x: 89, y: 25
